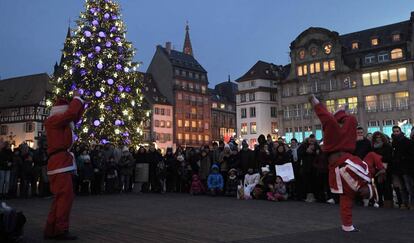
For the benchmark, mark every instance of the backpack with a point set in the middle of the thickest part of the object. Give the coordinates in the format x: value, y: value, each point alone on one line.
x: 11, y: 224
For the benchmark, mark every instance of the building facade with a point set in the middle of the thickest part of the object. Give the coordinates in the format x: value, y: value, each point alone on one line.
x: 183, y: 81
x: 257, y: 100
x: 223, y: 111
x: 160, y: 127
x: 23, y: 108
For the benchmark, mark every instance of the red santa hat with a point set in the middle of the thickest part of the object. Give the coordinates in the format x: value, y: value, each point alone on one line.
x: 61, y: 105
x: 339, y: 115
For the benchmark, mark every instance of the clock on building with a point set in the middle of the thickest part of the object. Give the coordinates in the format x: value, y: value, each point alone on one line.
x: 327, y: 48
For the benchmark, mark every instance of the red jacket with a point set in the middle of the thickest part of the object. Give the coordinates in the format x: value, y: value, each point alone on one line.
x: 374, y: 162
x: 60, y: 138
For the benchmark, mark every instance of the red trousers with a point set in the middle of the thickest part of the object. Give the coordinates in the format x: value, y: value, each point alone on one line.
x: 58, y: 219
x: 346, y: 200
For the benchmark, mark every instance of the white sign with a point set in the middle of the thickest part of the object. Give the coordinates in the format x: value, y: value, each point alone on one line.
x: 285, y: 171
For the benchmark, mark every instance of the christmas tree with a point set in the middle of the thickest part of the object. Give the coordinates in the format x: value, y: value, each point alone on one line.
x: 97, y: 60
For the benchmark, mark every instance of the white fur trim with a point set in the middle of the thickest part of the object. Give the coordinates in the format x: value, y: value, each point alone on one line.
x: 60, y: 109
x: 352, y: 183
x: 80, y: 99
x: 338, y: 182
x: 348, y: 228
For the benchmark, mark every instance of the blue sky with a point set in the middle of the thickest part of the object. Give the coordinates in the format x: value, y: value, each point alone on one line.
x: 228, y: 36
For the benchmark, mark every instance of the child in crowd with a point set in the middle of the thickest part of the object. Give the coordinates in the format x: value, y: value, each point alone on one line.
x: 111, y: 175
x: 278, y: 192
x: 215, y: 181
x: 162, y: 175
x: 251, y: 179
x: 232, y: 183
x: 197, y: 187
x: 86, y: 175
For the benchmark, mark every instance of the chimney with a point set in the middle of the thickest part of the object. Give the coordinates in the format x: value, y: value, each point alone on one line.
x: 168, y: 47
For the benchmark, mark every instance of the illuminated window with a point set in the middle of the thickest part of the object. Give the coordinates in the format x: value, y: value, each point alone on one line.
x: 200, y: 124
x: 371, y: 103
x: 353, y: 104
x: 402, y: 74
x: 327, y: 48
x: 385, y: 102
x: 317, y: 67
x: 401, y: 100
x: 341, y: 102
x: 200, y: 137
x: 180, y: 123
x: 243, y: 129
x: 300, y: 72
x: 393, y: 75
x: 193, y: 110
x: 206, y: 138
x: 179, y: 136
x: 312, y: 68
x: 193, y: 137
x: 332, y: 65
x: 355, y: 45
x: 187, y: 137
x: 168, y: 124
x: 162, y: 123
x: 193, y: 124
x: 301, y: 54
x: 187, y: 123
x: 326, y: 66
x: 396, y: 37
x: 203, y: 89
x: 305, y: 69
x: 330, y: 105
x: 375, y: 78
x: 214, y: 105
x: 396, y: 53
x: 206, y: 126
x: 253, y: 128
x: 374, y: 41
x: 274, y: 128
x: 384, y: 77
x: 222, y: 106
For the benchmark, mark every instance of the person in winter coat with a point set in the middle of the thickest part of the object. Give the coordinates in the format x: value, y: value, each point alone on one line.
x: 184, y: 173
x: 27, y: 171
x: 99, y: 165
x: 172, y: 173
x: 141, y: 170
x: 197, y: 187
x: 6, y: 159
x: 153, y: 157
x: 215, y: 181
x: 376, y: 170
x: 246, y: 159
x: 382, y: 147
x: 307, y: 152
x: 278, y: 191
x: 87, y: 175
x: 232, y: 183
x: 126, y: 165
x: 251, y: 179
x: 205, y: 165
x: 162, y: 175
x: 111, y: 175
x: 224, y: 161
x: 363, y: 145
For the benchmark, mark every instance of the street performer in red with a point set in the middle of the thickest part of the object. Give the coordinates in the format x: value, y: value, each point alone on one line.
x: 61, y: 165
x: 349, y: 176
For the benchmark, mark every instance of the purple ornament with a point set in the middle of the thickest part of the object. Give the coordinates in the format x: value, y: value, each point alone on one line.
x: 81, y: 91
x: 87, y: 92
x: 96, y: 123
x: 114, y: 17
x: 75, y: 137
x: 98, y: 94
x: 102, y: 34
x: 106, y: 16
x: 117, y: 39
x: 110, y: 81
x: 108, y: 108
x: 99, y: 66
x: 76, y: 61
x: 78, y: 53
x: 118, y: 123
x: 118, y: 66
x: 92, y: 10
x: 87, y: 33
x: 120, y: 88
x: 97, y: 48
x: 95, y: 22
x: 83, y: 72
x: 90, y: 55
x: 128, y: 89
x: 125, y: 134
x: 73, y: 87
x: 117, y: 99
x: 104, y: 141
x: 108, y: 44
x: 113, y: 29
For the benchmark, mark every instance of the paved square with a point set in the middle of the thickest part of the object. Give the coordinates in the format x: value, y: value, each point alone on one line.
x: 185, y: 218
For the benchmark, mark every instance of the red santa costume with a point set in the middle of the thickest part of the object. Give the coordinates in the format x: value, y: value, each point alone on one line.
x: 59, y: 131
x: 347, y: 173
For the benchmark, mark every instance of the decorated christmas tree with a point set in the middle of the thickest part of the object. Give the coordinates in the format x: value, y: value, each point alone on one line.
x: 97, y: 60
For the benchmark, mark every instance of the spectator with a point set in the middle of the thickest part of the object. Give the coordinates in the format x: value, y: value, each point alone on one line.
x: 6, y: 156
x: 111, y: 175
x: 232, y: 183
x: 126, y: 165
x: 99, y: 165
x: 363, y: 145
x: 296, y: 185
x: 205, y: 165
x: 197, y: 187
x: 87, y: 175
x: 251, y: 179
x: 246, y: 159
x: 172, y: 167
x: 215, y: 181
x: 307, y: 152
x: 141, y: 170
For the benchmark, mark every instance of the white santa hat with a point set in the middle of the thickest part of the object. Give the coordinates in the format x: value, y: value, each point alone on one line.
x: 265, y: 169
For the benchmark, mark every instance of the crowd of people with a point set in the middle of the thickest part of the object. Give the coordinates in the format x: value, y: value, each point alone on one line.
x: 227, y: 169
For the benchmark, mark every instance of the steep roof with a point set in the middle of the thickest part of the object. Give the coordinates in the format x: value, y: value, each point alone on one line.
x: 180, y: 59
x: 263, y: 70
x: 227, y: 89
x: 24, y: 91
x: 151, y: 92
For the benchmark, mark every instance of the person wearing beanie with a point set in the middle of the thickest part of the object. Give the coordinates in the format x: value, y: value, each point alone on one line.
x: 59, y: 131
x: 348, y: 174
x: 215, y: 181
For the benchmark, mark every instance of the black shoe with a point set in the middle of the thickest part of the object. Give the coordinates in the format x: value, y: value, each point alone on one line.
x: 65, y: 236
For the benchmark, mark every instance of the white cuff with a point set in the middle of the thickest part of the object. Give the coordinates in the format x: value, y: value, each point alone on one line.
x: 348, y: 228
x: 80, y: 99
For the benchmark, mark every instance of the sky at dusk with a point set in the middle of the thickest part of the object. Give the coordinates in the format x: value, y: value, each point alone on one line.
x: 228, y: 36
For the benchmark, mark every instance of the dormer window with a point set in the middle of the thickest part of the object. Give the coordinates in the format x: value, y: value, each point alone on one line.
x: 396, y: 53
x: 374, y: 42
x: 396, y: 37
x: 370, y: 58
x: 327, y: 48
x: 355, y: 45
x: 301, y: 54
x: 314, y: 51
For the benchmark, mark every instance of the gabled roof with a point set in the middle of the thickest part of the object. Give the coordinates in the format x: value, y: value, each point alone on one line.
x: 24, y: 91
x: 227, y: 89
x: 180, y: 59
x: 150, y: 90
x: 383, y: 33
x: 263, y: 70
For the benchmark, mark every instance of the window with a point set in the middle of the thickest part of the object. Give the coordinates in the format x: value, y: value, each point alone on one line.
x: 300, y: 72
x: 252, y: 96
x: 370, y: 58
x: 273, y: 96
x: 295, y: 110
x: 252, y: 83
x: 286, y: 112
x: 27, y: 110
x: 366, y: 79
x: 332, y: 65
x: 374, y: 41
x: 341, y: 102
x: 353, y: 104
x: 187, y: 137
x: 312, y: 68
x: 274, y: 128
x: 385, y: 102
x: 29, y: 127
x: 384, y: 77
x: 186, y: 123
x: 156, y: 123
x: 396, y: 37
x: 371, y: 103
x: 243, y: 113
x: 200, y: 123
x: 179, y: 136
x: 314, y: 51
x: 396, y: 53
x: 307, y: 109
x: 288, y: 134
x: 325, y: 66
x: 179, y: 96
x: 317, y: 67
x: 167, y: 112
x: 273, y: 111
x: 242, y: 98
x: 253, y: 128
x: 203, y: 89
x: 327, y: 48
x: 168, y: 124
x: 162, y: 111
x: 214, y: 105
x: 373, y: 126
x: 355, y: 45
x: 157, y: 111
x: 223, y: 106
x: 4, y: 130
x: 393, y: 75
x: 193, y: 124
x: 305, y: 69
x: 162, y: 123
x: 206, y: 138
x: 401, y: 100
x: 243, y: 129
x: 206, y: 126
x: 252, y: 111
x: 374, y: 78
x: 301, y: 54
x: 193, y: 111
x: 402, y: 74
x: 383, y: 57
x: 330, y: 105
x: 180, y: 123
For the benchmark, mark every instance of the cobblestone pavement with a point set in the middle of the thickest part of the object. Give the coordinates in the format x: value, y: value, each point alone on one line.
x: 185, y: 218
